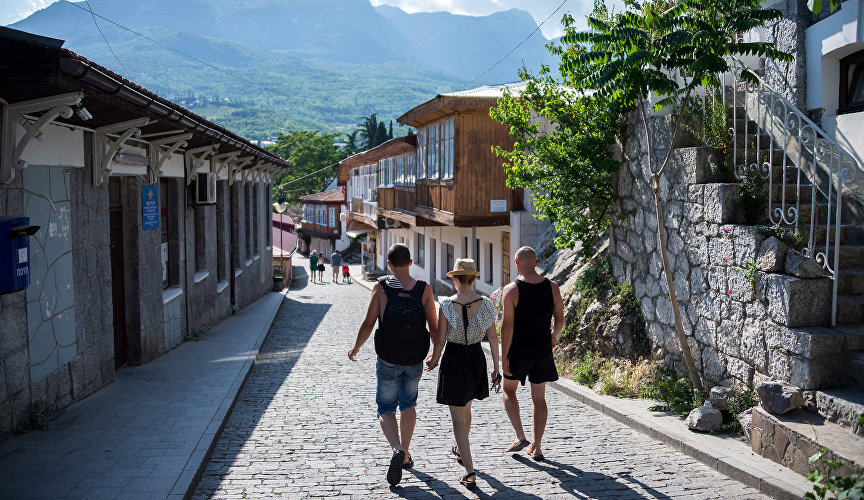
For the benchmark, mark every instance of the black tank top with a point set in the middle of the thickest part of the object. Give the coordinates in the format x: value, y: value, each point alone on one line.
x: 532, y: 321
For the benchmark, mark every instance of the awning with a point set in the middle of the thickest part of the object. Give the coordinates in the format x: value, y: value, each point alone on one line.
x: 358, y: 232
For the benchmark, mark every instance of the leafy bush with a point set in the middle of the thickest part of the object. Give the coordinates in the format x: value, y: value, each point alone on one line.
x: 711, y: 127
x: 739, y: 400
x: 675, y: 393
x: 753, y: 195
x: 586, y: 370
x: 849, y: 487
x: 793, y: 238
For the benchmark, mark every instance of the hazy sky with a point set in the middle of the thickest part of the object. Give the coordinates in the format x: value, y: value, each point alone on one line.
x: 14, y: 10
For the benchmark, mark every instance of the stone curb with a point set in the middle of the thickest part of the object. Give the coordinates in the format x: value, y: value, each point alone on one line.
x: 191, y: 474
x: 728, y: 456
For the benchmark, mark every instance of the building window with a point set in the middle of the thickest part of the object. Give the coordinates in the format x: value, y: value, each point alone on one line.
x: 421, y: 153
x: 465, y: 247
x: 852, y: 83
x: 450, y: 259
x: 445, y: 146
x: 221, y: 230
x: 256, y: 220
x: 198, y: 232
x: 489, y: 265
x: 163, y: 228
x: 421, y: 250
x: 477, y: 252
x: 432, y: 152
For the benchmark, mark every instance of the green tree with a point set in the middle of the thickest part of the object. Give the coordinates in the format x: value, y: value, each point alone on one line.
x: 351, y: 146
x: 390, y: 132
x: 314, y: 161
x: 368, y: 128
x: 381, y: 135
x: 661, y: 50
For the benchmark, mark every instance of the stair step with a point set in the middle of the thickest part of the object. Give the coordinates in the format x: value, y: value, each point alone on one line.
x: 850, y: 281
x: 821, y: 212
x: 850, y: 309
x: 855, y: 371
x: 841, y: 406
x: 741, y: 123
x: 804, y: 192
x: 751, y: 140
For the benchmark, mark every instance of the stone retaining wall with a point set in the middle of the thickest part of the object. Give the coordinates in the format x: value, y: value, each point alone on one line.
x: 737, y: 333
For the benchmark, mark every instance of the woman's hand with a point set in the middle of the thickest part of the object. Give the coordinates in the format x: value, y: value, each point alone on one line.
x: 431, y: 363
x: 496, y: 380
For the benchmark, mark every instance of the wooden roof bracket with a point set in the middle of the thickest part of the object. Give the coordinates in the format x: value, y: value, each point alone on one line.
x: 220, y: 161
x: 237, y: 167
x: 104, y: 148
x: 193, y: 159
x: 10, y: 149
x: 158, y: 157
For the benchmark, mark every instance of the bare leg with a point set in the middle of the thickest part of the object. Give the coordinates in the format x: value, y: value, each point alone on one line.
x: 511, y: 405
x: 408, y: 418
x: 460, y: 416
x: 391, y: 430
x: 541, y: 413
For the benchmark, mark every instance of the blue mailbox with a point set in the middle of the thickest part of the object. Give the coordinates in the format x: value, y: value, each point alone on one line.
x: 15, y: 235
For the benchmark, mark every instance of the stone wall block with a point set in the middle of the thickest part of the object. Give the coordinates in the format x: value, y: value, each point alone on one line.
x: 713, y: 364
x: 772, y: 255
x: 753, y: 345
x: 798, y: 302
x: 720, y: 200
x: 742, y: 372
x: 17, y: 367
x: 802, y: 267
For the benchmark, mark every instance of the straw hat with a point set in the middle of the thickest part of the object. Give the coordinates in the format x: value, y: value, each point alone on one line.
x: 464, y: 267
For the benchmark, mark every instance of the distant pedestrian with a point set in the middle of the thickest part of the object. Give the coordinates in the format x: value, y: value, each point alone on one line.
x: 346, y: 273
x: 403, y: 308
x: 530, y: 304
x: 335, y: 265
x: 321, y: 268
x: 463, y: 321
x: 313, y: 264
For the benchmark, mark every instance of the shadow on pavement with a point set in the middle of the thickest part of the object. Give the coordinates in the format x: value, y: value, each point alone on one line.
x: 444, y: 490
x: 580, y: 483
x: 293, y: 327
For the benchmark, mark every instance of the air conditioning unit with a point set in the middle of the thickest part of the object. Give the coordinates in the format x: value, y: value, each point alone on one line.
x: 205, y: 188
x: 391, y: 223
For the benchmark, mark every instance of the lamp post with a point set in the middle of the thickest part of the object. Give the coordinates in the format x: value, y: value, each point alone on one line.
x: 280, y: 207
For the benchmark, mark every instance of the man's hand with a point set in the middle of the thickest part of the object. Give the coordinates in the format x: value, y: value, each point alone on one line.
x: 352, y: 354
x: 506, y: 366
x: 430, y: 363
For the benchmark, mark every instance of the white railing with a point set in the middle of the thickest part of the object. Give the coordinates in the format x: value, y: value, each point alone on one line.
x: 802, y: 152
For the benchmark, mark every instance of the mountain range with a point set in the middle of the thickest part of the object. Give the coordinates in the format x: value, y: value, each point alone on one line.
x: 265, y: 66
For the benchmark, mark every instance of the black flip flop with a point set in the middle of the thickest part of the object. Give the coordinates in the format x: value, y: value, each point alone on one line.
x: 394, y: 473
x: 466, y: 483
x: 410, y: 464
x: 455, y: 451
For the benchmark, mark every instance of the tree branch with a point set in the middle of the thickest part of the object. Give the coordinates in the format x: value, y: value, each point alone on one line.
x: 647, y: 137
x: 675, y: 133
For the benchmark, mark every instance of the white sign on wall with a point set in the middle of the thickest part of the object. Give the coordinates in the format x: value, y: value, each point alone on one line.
x: 332, y: 217
x: 164, y: 261
x: 497, y: 205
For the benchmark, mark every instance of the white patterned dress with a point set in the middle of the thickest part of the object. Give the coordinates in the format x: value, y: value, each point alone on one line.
x: 462, y: 376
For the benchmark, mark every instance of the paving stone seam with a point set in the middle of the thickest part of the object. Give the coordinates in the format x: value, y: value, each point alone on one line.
x: 197, y: 463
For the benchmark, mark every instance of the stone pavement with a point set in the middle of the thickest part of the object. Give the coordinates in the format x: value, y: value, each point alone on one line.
x: 147, y: 434
x: 304, y: 425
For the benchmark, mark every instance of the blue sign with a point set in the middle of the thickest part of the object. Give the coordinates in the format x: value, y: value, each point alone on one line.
x: 149, y: 207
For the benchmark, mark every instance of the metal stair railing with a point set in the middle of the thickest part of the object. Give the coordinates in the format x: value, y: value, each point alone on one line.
x: 807, y: 152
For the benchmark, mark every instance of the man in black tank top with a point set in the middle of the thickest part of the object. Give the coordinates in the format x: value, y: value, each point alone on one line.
x: 533, y: 319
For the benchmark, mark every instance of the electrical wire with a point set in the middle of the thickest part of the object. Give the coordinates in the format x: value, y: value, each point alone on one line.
x: 518, y: 45
x: 280, y: 186
x: 89, y: 8
x: 157, y: 42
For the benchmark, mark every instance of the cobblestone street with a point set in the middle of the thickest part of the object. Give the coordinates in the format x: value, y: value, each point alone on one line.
x: 305, y: 425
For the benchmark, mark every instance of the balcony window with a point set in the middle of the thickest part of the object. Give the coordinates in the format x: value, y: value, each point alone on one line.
x: 421, y: 250
x: 432, y: 153
x: 852, y: 83
x: 421, y: 153
x: 449, y: 258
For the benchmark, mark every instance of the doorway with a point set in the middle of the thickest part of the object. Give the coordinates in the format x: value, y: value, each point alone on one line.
x: 505, y: 258
x: 433, y: 263
x: 118, y: 282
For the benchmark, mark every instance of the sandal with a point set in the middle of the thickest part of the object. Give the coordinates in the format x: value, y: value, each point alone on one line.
x: 410, y: 464
x: 469, y: 484
x: 455, y: 451
x: 518, y: 446
x: 394, y: 473
x: 538, y: 457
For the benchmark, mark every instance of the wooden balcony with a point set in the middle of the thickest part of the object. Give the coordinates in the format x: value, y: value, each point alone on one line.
x: 364, y: 212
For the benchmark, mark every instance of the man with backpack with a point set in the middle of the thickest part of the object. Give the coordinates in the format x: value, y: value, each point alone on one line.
x: 404, y: 309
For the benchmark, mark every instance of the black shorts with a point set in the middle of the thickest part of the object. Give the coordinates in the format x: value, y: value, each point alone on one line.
x: 537, y: 371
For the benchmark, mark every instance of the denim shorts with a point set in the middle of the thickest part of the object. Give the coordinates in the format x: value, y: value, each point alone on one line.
x: 397, y: 386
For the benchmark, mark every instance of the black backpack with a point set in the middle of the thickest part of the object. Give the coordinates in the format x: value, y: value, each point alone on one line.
x: 401, y: 337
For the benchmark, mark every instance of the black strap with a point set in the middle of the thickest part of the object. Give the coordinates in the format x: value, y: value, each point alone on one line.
x: 465, y: 315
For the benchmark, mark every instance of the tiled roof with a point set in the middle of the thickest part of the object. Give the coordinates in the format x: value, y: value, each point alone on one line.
x: 331, y: 196
x: 284, y: 219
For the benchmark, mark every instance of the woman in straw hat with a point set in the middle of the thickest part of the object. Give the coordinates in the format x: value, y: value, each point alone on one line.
x: 463, y: 320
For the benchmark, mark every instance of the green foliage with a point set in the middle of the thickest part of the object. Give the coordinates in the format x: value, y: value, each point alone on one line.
x: 587, y: 370
x: 861, y: 420
x: 626, y: 296
x: 308, y: 151
x: 568, y: 166
x: 816, y: 5
x: 751, y: 273
x: 850, y: 487
x: 739, y: 400
x: 711, y: 127
x: 793, y: 238
x: 675, y: 393
x: 753, y: 195
x: 36, y: 421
